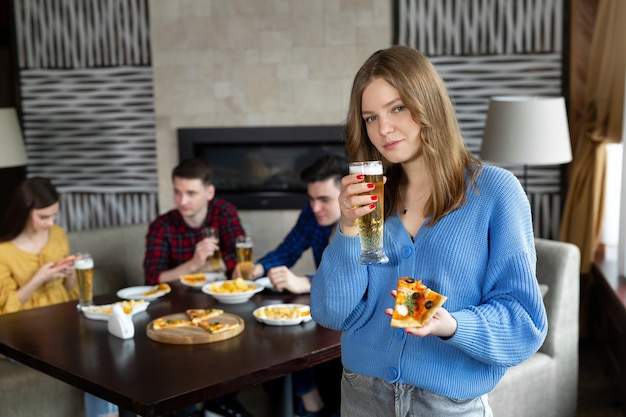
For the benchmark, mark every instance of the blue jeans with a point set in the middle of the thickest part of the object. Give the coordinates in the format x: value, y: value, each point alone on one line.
x: 368, y: 396
x: 97, y: 407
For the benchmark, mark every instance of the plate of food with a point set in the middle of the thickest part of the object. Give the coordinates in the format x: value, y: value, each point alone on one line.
x: 232, y: 291
x: 198, y: 280
x: 103, y: 312
x: 193, y: 280
x: 144, y: 292
x: 266, y: 283
x: 283, y: 314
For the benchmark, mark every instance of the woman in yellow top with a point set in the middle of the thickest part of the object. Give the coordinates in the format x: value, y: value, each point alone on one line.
x: 30, y: 247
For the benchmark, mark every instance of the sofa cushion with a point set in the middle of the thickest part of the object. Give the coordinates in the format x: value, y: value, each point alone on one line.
x: 25, y: 392
x: 532, y: 383
x: 121, y: 246
x: 108, y: 279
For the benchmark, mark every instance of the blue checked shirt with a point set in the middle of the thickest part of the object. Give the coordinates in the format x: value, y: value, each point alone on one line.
x: 306, y: 233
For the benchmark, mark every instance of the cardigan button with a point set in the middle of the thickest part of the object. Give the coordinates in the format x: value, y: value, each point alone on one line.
x: 406, y: 251
x: 399, y: 334
x: 393, y: 374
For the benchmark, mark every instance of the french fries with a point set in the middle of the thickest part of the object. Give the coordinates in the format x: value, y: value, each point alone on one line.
x: 230, y: 287
x: 283, y: 312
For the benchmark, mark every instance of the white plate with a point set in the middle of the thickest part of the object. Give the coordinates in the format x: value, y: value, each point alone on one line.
x: 102, y: 312
x: 305, y: 314
x: 266, y: 283
x: 208, y: 277
x: 136, y: 293
x: 214, y: 276
x: 234, y: 297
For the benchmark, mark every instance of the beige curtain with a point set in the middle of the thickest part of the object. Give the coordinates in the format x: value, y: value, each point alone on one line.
x: 602, y: 124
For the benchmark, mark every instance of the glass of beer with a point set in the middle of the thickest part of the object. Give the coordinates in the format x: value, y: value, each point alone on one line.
x: 84, y: 273
x: 216, y: 259
x: 371, y: 225
x: 244, y: 248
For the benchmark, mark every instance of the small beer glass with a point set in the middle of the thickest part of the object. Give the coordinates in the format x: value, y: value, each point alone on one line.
x: 216, y: 259
x: 84, y: 275
x: 371, y: 225
x: 244, y: 249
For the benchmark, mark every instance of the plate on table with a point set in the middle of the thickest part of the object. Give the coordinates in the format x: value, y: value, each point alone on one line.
x: 232, y: 291
x: 103, y: 312
x: 283, y: 314
x: 198, y: 280
x: 144, y: 292
x: 266, y: 283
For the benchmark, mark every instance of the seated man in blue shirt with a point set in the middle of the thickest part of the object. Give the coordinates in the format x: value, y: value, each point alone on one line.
x: 314, y: 229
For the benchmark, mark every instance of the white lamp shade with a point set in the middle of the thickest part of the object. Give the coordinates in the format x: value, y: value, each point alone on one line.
x: 526, y: 131
x: 12, y: 150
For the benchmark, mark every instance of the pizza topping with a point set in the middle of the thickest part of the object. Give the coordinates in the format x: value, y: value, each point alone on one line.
x: 415, y: 305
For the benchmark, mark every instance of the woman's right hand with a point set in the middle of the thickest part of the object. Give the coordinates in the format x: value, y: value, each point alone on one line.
x: 49, y: 272
x: 354, y: 202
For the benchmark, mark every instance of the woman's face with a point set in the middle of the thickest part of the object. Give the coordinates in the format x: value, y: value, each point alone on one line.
x: 43, y: 219
x: 390, y: 125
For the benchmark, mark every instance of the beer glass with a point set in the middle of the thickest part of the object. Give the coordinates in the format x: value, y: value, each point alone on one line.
x: 84, y: 275
x: 243, y: 248
x: 371, y: 225
x: 216, y: 259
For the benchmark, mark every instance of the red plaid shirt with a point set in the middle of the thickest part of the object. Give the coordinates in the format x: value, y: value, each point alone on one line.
x: 171, y: 242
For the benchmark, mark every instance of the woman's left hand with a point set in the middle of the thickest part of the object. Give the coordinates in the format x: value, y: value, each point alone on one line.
x: 442, y: 324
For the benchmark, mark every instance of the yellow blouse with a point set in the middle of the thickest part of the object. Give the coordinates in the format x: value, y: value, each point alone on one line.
x: 17, y: 267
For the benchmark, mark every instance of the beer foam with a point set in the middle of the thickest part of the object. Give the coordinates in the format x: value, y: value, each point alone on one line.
x: 368, y: 168
x: 83, y: 263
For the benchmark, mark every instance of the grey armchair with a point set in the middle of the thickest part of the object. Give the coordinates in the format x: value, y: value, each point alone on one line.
x: 546, y: 385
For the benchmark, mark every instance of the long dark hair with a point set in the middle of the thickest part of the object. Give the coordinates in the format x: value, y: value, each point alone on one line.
x: 33, y: 193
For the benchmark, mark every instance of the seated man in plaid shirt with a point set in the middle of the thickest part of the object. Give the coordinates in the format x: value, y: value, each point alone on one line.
x: 314, y: 229
x: 174, y: 243
x: 175, y: 246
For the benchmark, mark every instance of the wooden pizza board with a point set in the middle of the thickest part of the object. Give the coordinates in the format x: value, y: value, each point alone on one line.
x: 190, y: 335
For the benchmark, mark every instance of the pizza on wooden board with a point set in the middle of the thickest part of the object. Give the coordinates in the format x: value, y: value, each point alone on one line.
x: 216, y: 327
x: 416, y: 304
x: 198, y: 314
x: 198, y: 317
x: 163, y: 323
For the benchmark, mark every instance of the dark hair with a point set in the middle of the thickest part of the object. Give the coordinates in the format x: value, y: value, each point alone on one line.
x: 448, y: 161
x: 194, y: 169
x: 328, y: 166
x: 32, y: 193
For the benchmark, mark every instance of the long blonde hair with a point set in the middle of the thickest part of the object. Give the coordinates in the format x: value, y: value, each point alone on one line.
x: 423, y: 92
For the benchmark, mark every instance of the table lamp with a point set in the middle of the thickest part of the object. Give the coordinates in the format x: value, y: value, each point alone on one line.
x: 12, y: 150
x: 526, y: 130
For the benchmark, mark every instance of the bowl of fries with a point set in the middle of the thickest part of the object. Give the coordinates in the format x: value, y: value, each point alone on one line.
x: 232, y: 291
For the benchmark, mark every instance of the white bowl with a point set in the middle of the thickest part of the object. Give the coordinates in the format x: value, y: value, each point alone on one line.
x: 261, y: 314
x: 234, y: 297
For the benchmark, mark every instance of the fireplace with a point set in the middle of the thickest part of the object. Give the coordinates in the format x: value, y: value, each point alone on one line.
x: 258, y: 168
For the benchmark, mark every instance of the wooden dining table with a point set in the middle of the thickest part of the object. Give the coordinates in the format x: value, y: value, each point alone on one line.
x: 151, y: 378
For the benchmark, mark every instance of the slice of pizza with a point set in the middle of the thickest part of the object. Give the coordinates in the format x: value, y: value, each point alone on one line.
x: 199, y: 314
x: 163, y: 323
x: 159, y: 288
x: 194, y: 279
x: 216, y: 327
x: 416, y: 304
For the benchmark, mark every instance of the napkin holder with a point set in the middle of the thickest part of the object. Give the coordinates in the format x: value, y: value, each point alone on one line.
x: 120, y: 324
